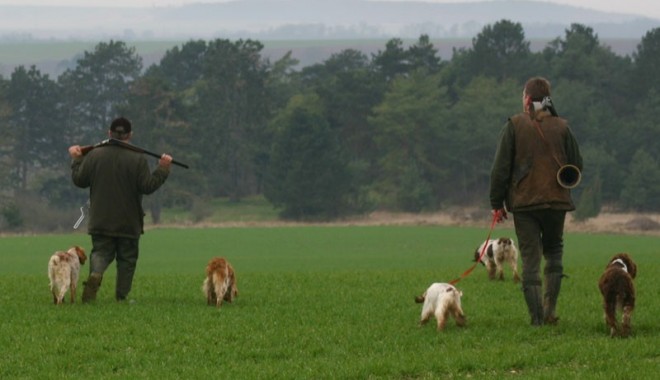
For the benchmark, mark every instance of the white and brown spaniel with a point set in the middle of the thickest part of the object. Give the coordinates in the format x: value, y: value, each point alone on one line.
x: 498, y: 252
x: 63, y: 272
x: 441, y: 300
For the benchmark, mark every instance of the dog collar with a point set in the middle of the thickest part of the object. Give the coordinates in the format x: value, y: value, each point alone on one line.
x: 619, y: 261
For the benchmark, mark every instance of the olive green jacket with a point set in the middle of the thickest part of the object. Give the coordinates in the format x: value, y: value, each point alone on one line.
x: 524, y: 172
x: 117, y: 178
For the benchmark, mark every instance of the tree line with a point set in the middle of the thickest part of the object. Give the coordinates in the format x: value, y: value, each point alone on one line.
x: 401, y: 129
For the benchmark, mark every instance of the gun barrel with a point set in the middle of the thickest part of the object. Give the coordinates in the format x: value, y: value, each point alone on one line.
x: 87, y: 148
x: 141, y: 150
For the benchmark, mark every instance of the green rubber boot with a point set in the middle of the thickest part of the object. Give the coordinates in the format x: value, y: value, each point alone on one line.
x: 92, y: 286
x: 552, y: 287
x: 534, y: 304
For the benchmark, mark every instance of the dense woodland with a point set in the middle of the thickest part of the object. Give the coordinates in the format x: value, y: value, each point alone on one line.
x: 400, y: 130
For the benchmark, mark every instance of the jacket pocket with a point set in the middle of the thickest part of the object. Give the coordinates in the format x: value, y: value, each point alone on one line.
x: 520, y: 172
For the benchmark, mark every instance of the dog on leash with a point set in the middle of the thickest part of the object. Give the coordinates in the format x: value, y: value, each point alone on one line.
x: 441, y: 300
x: 618, y: 290
x: 63, y: 272
x: 220, y: 282
x: 498, y: 252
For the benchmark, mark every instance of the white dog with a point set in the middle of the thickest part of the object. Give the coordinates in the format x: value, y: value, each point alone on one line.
x: 63, y: 271
x: 498, y: 252
x: 441, y: 300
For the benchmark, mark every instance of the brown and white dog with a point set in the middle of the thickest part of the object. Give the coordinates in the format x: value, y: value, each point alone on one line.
x: 498, y: 252
x: 618, y: 290
x: 63, y: 272
x: 220, y: 282
x: 442, y: 300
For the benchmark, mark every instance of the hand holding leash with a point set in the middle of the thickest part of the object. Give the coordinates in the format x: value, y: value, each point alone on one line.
x: 500, y: 215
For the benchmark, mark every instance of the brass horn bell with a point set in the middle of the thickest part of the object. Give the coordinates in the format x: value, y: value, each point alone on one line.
x: 569, y: 176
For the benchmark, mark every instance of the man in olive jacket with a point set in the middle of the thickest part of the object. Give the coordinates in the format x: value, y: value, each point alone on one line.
x: 533, y: 146
x: 117, y: 178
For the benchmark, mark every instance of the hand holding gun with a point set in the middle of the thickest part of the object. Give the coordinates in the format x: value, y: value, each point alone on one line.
x: 79, y: 151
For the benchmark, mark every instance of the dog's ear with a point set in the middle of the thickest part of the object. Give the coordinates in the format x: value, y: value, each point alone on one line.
x: 81, y: 255
x: 455, y: 290
x: 632, y: 267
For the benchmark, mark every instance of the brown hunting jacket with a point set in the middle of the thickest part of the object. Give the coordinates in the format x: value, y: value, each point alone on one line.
x: 529, y: 154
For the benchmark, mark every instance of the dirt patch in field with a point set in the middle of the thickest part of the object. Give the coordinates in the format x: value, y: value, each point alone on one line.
x: 621, y: 223
x: 606, y: 222
x: 624, y: 223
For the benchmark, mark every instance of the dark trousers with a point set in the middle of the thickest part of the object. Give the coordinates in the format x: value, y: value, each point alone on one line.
x: 540, y: 235
x: 105, y: 250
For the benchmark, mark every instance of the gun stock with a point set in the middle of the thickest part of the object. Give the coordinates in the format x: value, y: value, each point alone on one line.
x: 87, y: 148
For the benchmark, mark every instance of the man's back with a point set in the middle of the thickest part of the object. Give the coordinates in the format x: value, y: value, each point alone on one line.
x: 117, y: 178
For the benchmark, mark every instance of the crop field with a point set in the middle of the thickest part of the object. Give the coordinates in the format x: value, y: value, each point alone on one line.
x: 320, y: 302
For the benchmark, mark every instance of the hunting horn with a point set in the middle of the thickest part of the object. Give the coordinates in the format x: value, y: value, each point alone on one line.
x: 569, y: 176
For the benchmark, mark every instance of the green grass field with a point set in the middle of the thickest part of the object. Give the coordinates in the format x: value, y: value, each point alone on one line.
x: 317, y: 303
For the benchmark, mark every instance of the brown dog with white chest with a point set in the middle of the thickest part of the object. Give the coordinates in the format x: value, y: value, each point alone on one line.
x: 618, y: 290
x: 63, y: 273
x: 220, y: 282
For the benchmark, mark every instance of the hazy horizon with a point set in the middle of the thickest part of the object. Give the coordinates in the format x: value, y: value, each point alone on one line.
x: 644, y: 8
x: 303, y: 19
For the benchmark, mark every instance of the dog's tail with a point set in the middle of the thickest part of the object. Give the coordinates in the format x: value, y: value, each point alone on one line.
x: 420, y: 299
x: 53, y: 263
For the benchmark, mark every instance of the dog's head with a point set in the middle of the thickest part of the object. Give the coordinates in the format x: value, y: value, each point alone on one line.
x: 477, y: 254
x: 504, y: 242
x: 80, y: 253
x: 488, y: 247
x: 456, y: 291
x: 624, y: 261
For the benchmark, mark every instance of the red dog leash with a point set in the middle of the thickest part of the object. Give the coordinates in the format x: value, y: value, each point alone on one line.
x: 496, y: 217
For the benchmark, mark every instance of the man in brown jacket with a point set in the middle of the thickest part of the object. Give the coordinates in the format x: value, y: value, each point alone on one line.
x: 117, y: 178
x: 533, y: 146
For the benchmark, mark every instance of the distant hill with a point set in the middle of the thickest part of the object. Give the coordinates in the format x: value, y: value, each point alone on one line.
x: 308, y: 19
x: 54, y: 57
x: 52, y: 37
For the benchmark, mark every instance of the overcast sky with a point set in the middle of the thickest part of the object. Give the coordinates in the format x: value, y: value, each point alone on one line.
x: 650, y: 8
